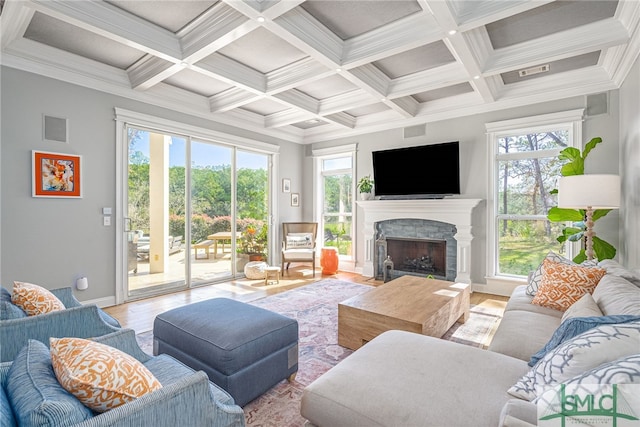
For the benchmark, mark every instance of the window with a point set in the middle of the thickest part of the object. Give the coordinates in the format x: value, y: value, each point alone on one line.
x: 335, y: 190
x: 525, y: 169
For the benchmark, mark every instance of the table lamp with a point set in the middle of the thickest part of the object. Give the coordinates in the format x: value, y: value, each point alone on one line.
x: 589, y: 192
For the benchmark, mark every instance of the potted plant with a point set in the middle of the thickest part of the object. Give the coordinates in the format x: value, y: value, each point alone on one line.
x: 575, y: 166
x: 365, y: 185
x: 254, y: 243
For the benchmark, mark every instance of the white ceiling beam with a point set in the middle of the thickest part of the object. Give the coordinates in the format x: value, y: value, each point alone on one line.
x: 14, y: 22
x: 299, y: 100
x: 370, y: 78
x: 406, y: 106
x: 231, y: 98
x: 435, y: 78
x: 287, y: 117
x: 232, y: 72
x: 346, y: 101
x: 486, y: 11
x: 254, y: 9
x: 113, y: 23
x: 151, y: 70
x: 342, y: 119
x: 459, y: 46
x: 300, y: 72
x: 216, y: 28
x: 575, y: 41
x: 397, y: 37
x: 306, y: 33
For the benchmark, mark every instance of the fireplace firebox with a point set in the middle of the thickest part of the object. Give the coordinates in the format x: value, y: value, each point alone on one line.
x: 421, y: 256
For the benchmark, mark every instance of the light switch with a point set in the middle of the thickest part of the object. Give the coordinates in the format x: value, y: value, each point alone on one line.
x: 106, y: 211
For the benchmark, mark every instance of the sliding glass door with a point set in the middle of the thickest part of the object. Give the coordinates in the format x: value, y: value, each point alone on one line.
x: 156, y: 195
x: 197, y: 211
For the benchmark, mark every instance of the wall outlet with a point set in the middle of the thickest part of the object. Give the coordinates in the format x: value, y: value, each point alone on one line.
x: 106, y: 221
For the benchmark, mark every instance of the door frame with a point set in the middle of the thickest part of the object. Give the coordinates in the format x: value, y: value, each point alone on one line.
x: 125, y: 118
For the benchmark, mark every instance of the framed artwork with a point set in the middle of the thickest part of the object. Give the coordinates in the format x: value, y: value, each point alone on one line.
x: 286, y: 185
x: 56, y: 175
x: 295, y: 199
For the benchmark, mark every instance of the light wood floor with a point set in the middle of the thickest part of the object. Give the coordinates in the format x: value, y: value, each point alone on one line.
x: 139, y: 315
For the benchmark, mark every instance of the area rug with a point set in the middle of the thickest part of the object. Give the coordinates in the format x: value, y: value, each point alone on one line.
x: 315, y: 306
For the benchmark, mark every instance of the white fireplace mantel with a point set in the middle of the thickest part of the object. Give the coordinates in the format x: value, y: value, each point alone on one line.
x: 451, y: 211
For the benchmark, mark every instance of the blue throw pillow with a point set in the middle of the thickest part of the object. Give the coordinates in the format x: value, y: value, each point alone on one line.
x: 8, y: 310
x: 575, y: 326
x: 36, y: 396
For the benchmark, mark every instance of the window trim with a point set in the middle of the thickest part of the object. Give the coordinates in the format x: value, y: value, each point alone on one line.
x: 320, y: 154
x: 571, y: 120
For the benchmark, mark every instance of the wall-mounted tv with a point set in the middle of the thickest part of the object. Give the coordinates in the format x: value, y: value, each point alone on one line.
x: 421, y: 172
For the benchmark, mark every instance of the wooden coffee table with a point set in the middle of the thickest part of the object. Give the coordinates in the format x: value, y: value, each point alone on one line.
x: 408, y: 303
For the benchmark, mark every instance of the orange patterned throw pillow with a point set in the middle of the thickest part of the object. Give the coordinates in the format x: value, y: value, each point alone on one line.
x: 563, y: 284
x: 34, y: 299
x: 99, y: 376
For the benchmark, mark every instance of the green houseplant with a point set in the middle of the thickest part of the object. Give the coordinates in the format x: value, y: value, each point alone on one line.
x: 365, y: 185
x: 575, y: 166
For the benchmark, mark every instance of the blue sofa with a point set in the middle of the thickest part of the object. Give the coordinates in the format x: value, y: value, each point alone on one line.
x: 65, y: 295
x: 187, y: 398
x: 77, y: 320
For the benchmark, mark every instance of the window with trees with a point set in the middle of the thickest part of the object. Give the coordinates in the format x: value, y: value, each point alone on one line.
x: 525, y: 169
x: 336, y: 189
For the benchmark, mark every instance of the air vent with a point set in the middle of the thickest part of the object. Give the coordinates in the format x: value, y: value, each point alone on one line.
x: 54, y: 129
x: 413, y: 131
x: 534, y: 70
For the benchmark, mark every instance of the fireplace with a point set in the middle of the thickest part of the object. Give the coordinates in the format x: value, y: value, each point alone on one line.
x: 419, y: 247
x: 419, y: 256
x: 446, y: 223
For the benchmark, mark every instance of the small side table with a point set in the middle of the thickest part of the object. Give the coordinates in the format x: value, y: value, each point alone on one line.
x: 272, y: 273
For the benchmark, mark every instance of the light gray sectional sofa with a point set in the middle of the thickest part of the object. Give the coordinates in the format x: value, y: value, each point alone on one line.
x: 406, y: 379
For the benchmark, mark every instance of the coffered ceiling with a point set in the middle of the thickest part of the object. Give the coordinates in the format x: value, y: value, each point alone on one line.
x: 313, y: 70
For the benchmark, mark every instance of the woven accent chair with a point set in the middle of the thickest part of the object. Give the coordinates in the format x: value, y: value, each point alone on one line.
x: 299, y: 243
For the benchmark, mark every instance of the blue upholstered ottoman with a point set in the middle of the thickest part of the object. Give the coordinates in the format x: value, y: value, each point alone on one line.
x: 246, y: 350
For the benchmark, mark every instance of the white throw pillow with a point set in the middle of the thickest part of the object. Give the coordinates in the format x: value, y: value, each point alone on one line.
x: 536, y: 278
x: 625, y: 370
x: 577, y: 355
x: 299, y: 241
x: 624, y: 373
x: 616, y: 269
x: 585, y: 307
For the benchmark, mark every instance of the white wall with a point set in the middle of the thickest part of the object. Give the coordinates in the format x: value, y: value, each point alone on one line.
x: 53, y: 241
x: 470, y: 131
x: 630, y: 165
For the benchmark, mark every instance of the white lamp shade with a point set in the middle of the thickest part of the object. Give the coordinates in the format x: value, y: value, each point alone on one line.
x: 595, y: 191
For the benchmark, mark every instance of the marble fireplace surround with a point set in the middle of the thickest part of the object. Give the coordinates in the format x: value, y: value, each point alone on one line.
x: 451, y: 211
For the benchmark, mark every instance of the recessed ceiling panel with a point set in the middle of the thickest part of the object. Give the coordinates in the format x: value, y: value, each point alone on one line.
x: 369, y: 109
x: 59, y: 34
x: 263, y: 51
x: 548, y: 19
x: 348, y: 19
x: 327, y: 87
x: 568, y: 64
x: 264, y: 107
x: 308, y: 124
x: 197, y: 83
x: 444, y: 92
x: 419, y: 59
x: 170, y: 15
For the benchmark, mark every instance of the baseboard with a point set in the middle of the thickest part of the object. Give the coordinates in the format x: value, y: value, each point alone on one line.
x: 101, y: 302
x: 498, y: 286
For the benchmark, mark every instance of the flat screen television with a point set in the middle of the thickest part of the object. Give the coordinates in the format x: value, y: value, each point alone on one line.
x: 421, y: 172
